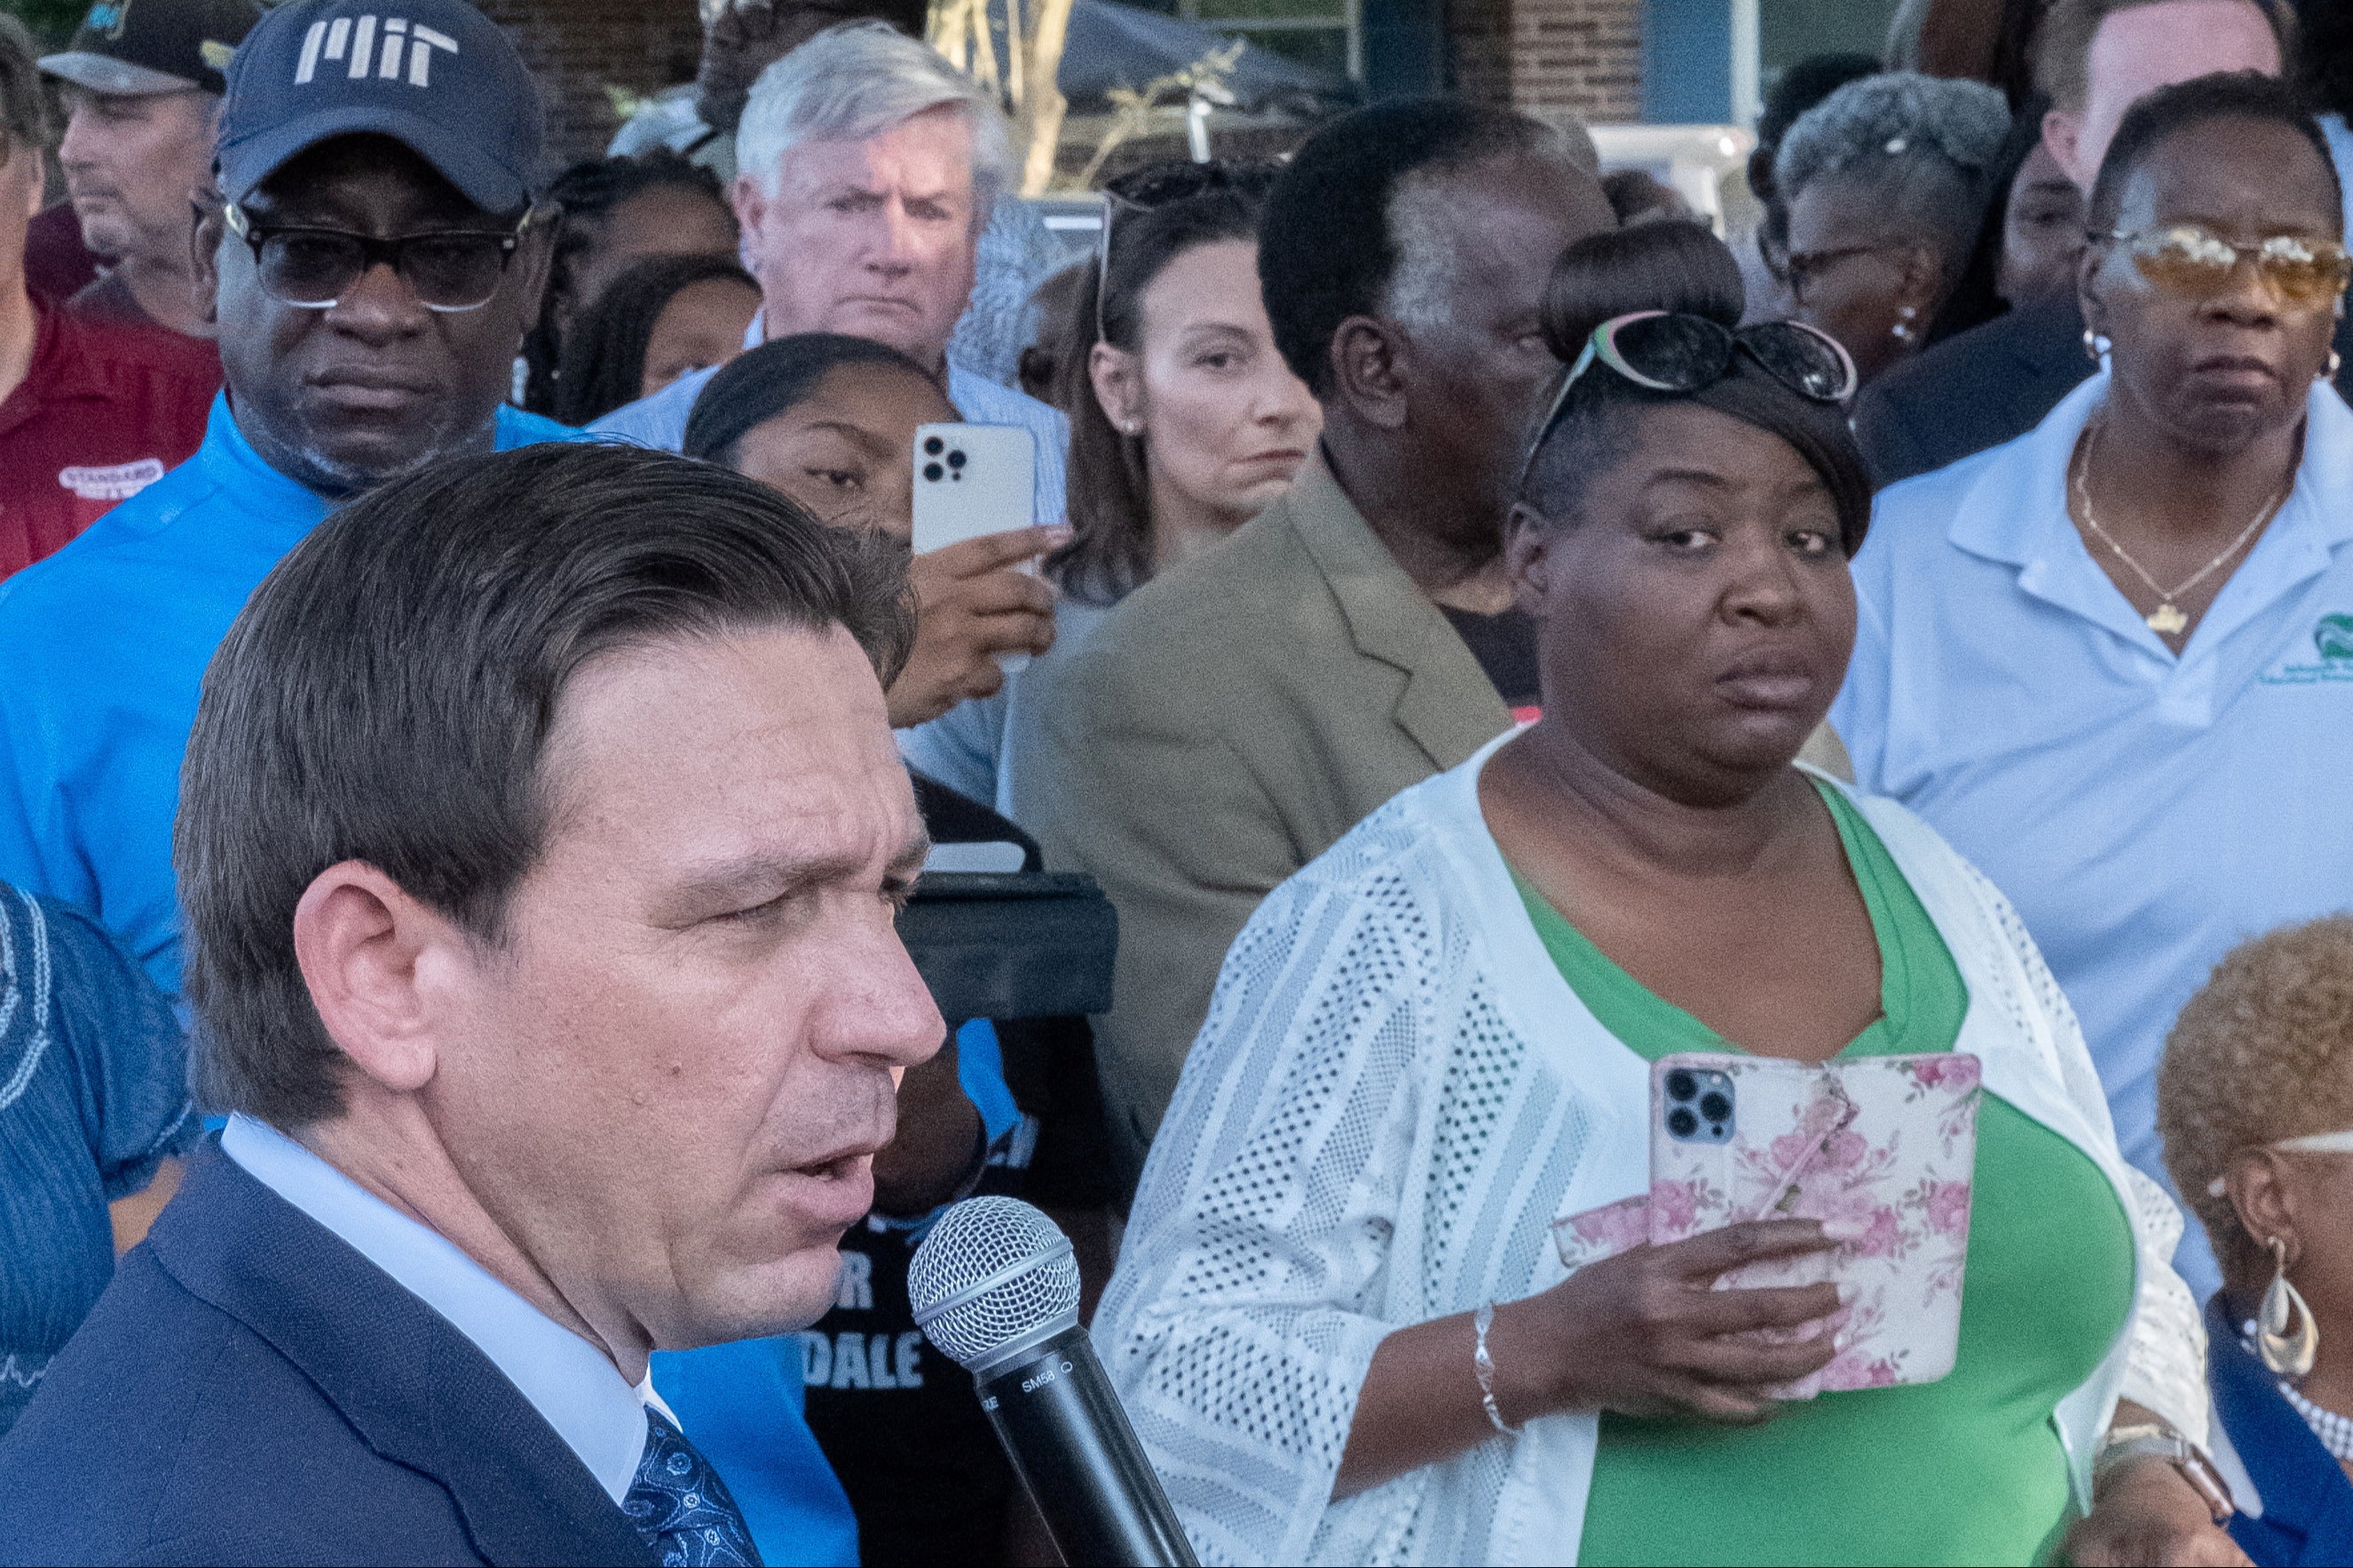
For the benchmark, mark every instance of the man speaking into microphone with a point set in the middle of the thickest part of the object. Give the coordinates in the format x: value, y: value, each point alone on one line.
x: 540, y: 839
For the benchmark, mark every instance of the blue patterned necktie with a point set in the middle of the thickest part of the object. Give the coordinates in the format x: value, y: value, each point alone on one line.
x: 682, y: 1507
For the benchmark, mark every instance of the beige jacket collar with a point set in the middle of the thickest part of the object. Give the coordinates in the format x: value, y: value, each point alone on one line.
x: 1448, y: 707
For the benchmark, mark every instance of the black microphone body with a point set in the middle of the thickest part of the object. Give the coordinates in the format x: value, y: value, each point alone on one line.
x: 1054, y: 1411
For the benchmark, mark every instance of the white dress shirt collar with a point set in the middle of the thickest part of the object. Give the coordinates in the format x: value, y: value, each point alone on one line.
x: 572, y: 1384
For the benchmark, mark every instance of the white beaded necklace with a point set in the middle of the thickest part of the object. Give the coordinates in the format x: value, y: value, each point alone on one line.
x: 2335, y: 1431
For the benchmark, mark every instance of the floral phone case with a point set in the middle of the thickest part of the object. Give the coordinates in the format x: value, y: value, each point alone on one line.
x: 1885, y: 1143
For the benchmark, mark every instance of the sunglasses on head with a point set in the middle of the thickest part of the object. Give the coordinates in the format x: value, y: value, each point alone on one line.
x: 2191, y: 260
x: 1668, y: 350
x: 1159, y: 186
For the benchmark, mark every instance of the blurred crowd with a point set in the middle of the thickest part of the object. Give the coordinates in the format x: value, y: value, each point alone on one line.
x: 1483, y: 630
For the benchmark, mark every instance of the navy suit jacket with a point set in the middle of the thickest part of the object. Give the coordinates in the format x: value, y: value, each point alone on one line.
x: 2308, y: 1501
x: 1990, y: 384
x: 1975, y: 390
x: 251, y: 1390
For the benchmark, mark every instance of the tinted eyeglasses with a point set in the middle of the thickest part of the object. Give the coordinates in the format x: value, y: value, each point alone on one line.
x: 313, y: 269
x: 1663, y: 351
x: 2192, y: 260
x: 1802, y: 269
x: 1159, y: 184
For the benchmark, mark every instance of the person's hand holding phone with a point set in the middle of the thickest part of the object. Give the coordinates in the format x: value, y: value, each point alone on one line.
x: 974, y: 602
x: 1645, y: 1333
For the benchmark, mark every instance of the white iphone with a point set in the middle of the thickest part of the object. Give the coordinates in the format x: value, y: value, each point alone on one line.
x: 971, y: 480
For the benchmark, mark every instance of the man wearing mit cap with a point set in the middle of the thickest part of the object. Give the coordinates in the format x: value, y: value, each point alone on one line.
x: 141, y: 83
x: 370, y: 268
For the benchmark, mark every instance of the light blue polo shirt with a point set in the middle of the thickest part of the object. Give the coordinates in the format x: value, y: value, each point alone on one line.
x: 102, y: 651
x: 2144, y: 813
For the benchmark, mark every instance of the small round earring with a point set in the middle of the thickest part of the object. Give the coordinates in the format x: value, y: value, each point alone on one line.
x: 1904, y: 329
x: 2289, y: 1355
x: 2336, y: 360
x: 2095, y: 347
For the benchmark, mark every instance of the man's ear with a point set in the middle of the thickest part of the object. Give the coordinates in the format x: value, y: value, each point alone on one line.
x: 1371, y: 371
x: 535, y: 257
x: 203, y: 253
x: 749, y: 197
x: 376, y: 960
x: 2063, y: 138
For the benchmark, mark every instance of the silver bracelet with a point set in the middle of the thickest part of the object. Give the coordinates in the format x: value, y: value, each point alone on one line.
x: 1484, y: 1365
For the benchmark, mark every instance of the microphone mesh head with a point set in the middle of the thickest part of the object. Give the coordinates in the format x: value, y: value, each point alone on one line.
x: 1022, y: 1258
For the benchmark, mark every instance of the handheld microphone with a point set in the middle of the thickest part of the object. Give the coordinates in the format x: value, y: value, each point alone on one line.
x: 996, y: 1288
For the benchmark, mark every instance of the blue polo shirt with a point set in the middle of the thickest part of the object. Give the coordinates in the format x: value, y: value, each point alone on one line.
x: 102, y: 650
x: 2144, y: 813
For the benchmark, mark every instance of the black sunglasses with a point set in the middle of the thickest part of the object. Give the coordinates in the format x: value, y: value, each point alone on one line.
x: 1666, y: 351
x: 1159, y: 184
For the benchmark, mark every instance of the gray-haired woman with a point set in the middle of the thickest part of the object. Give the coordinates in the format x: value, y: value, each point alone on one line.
x: 1886, y: 181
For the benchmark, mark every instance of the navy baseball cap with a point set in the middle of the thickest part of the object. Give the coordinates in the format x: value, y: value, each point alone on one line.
x: 437, y: 76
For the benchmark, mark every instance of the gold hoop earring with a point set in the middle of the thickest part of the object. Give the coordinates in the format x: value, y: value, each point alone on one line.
x: 2289, y: 1355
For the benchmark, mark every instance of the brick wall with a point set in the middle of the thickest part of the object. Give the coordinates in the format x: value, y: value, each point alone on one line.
x: 578, y: 47
x: 1585, y: 55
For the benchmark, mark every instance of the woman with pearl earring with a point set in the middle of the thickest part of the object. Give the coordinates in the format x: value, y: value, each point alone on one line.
x: 1886, y: 180
x: 2255, y: 1103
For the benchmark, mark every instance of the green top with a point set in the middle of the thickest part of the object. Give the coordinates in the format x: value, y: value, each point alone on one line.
x: 1965, y: 1469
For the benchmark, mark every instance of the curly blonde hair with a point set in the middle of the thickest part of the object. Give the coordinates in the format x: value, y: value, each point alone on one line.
x: 2264, y: 1051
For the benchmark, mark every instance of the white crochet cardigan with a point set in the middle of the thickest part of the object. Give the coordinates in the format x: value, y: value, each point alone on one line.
x: 1393, y: 1096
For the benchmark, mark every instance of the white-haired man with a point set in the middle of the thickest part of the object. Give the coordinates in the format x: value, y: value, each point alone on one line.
x: 867, y: 167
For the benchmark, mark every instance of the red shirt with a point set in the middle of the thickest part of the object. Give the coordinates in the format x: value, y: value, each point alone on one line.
x: 104, y: 410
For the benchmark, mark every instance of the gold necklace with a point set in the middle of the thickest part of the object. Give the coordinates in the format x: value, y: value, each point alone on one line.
x: 2167, y: 619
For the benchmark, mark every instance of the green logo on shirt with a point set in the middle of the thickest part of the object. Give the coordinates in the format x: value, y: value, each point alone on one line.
x: 2332, y: 636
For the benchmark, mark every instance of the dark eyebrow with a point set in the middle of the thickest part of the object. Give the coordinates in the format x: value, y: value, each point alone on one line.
x: 857, y: 434
x: 770, y: 879
x: 1689, y: 476
x: 1235, y: 328
x: 908, y: 864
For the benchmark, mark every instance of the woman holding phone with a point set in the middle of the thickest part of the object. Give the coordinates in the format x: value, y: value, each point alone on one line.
x: 1435, y: 1041
x: 830, y: 421
x: 1185, y: 421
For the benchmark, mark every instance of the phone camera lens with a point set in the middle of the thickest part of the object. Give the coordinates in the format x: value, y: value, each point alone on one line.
x: 1681, y: 1122
x: 1681, y: 1085
x: 1714, y: 1106
x: 933, y: 445
x: 955, y: 459
x: 933, y: 472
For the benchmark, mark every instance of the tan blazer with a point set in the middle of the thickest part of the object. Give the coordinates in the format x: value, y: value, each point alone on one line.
x: 1218, y: 731
x: 1223, y: 726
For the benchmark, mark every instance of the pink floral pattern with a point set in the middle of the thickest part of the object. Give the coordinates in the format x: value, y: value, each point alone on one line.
x: 1887, y: 1144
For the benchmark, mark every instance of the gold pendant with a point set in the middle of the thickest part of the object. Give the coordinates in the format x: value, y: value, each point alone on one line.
x: 2165, y: 621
